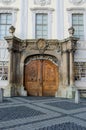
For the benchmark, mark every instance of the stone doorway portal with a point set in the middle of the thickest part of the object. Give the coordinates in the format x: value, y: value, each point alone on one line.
x: 44, y: 67
x: 41, y: 78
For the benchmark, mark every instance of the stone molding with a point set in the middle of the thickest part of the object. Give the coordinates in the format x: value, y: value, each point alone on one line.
x: 42, y: 57
x: 42, y: 2
x: 26, y: 46
x: 77, y: 2
x: 42, y: 10
x: 8, y: 10
x: 76, y: 10
x: 7, y: 2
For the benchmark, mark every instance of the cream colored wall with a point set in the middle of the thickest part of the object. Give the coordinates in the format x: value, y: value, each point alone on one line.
x: 17, y: 20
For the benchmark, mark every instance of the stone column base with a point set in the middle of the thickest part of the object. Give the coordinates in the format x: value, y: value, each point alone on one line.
x: 14, y: 90
x: 22, y: 92
x: 8, y: 91
x: 61, y: 92
x: 66, y: 92
x: 70, y: 91
x: 1, y: 94
x: 77, y: 96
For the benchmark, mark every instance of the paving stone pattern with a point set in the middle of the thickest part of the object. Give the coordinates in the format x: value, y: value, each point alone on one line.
x: 10, y: 113
x: 6, y: 101
x: 66, y: 105
x: 64, y: 126
x: 42, y: 113
x: 38, y: 98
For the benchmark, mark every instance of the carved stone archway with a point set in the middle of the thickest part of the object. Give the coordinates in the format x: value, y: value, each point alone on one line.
x: 21, y: 50
x: 42, y: 57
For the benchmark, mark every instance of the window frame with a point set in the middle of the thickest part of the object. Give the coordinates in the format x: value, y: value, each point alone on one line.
x: 78, y: 25
x: 77, y: 11
x: 42, y: 25
x: 5, y: 24
x: 49, y: 12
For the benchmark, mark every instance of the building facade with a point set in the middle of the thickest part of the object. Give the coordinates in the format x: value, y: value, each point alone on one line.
x: 49, y: 20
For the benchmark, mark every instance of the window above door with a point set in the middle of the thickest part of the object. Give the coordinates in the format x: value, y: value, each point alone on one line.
x: 42, y: 22
x: 41, y: 28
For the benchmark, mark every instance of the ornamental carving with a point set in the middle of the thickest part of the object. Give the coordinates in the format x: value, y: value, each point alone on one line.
x: 77, y: 1
x: 42, y: 2
x: 42, y: 45
x: 7, y: 1
x: 42, y: 57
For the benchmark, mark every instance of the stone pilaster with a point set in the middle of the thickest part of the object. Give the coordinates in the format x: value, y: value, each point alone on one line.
x: 10, y: 69
x: 71, y: 69
x: 65, y: 69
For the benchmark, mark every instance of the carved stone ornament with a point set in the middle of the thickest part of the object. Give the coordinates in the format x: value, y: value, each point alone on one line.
x: 71, y: 31
x: 7, y: 1
x: 42, y: 2
x: 43, y: 57
x: 41, y: 45
x: 77, y: 1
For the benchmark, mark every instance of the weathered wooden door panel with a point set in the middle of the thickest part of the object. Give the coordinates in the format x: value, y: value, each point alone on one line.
x: 41, y: 78
x: 32, y: 77
x: 50, y: 78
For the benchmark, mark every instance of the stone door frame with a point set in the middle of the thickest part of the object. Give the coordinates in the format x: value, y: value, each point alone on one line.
x: 20, y: 49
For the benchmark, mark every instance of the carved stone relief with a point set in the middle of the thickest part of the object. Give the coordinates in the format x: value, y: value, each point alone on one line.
x: 42, y: 45
x: 39, y: 57
x: 42, y: 2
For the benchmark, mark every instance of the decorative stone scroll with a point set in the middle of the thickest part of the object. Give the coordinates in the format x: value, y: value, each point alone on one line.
x: 42, y: 2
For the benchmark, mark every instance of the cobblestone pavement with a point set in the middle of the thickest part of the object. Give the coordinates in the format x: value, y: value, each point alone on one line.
x: 42, y: 113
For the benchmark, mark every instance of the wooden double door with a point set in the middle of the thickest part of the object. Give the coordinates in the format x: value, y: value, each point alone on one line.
x: 41, y: 78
